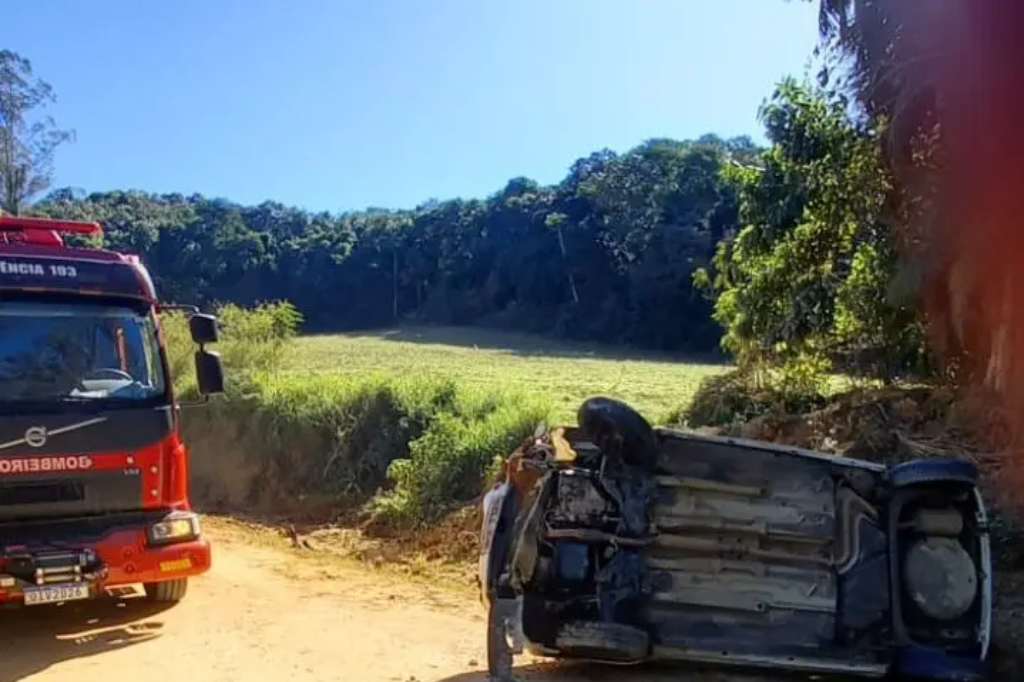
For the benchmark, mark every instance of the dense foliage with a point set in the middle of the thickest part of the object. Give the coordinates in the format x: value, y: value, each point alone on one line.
x: 789, y: 242
x: 810, y: 277
x: 943, y: 80
x: 407, y: 447
x: 607, y: 254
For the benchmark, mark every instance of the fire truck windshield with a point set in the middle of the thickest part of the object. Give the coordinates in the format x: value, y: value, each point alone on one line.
x: 78, y: 353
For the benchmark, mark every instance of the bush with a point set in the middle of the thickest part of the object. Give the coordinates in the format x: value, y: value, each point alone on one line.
x: 449, y: 462
x: 410, y: 446
x: 252, y: 341
x: 739, y: 396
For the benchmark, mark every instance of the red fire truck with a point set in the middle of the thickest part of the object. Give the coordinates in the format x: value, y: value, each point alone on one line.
x: 93, y: 473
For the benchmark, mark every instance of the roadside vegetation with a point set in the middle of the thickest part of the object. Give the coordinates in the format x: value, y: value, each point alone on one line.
x: 403, y: 447
x: 403, y: 430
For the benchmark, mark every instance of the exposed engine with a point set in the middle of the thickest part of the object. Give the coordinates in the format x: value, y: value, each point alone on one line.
x: 577, y: 557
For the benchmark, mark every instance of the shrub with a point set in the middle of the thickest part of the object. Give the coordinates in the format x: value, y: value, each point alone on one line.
x: 450, y: 461
x: 740, y: 396
x: 281, y: 443
x: 252, y: 340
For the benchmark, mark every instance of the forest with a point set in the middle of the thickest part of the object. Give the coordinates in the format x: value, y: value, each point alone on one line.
x: 608, y: 254
x: 697, y: 246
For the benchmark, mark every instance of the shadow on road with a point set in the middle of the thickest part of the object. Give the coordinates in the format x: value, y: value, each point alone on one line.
x: 33, y: 639
x: 527, y: 345
x: 560, y: 672
x: 555, y: 671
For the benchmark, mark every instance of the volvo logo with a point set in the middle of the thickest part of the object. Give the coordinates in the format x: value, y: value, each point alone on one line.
x: 36, y: 436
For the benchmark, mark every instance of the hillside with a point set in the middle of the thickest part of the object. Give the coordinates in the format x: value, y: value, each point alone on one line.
x: 605, y: 255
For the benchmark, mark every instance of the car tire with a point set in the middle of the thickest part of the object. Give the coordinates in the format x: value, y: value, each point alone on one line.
x: 605, y: 641
x: 931, y: 471
x: 604, y: 419
x: 499, y: 654
x: 167, y: 592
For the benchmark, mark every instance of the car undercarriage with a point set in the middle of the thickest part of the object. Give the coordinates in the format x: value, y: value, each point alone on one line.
x: 620, y: 543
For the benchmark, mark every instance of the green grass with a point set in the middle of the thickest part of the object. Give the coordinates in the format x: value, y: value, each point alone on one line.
x: 407, y: 423
x: 559, y: 373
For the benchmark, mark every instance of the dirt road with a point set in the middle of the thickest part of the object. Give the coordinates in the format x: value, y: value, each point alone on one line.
x: 248, y: 620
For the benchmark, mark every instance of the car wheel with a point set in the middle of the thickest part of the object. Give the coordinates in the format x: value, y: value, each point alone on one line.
x: 924, y: 471
x: 168, y: 591
x: 607, y: 641
x: 499, y: 654
x: 605, y: 419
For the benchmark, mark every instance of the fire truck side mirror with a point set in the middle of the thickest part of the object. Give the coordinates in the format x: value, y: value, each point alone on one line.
x: 203, y: 328
x: 209, y: 372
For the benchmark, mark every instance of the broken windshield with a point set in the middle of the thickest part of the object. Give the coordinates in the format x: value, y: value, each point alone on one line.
x: 77, y: 353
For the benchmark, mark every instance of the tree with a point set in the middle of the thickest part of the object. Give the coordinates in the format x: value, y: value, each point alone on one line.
x: 605, y: 255
x: 807, y: 277
x: 28, y: 139
x: 943, y: 76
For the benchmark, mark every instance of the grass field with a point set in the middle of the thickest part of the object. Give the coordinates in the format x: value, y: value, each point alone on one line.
x: 406, y: 424
x: 564, y: 373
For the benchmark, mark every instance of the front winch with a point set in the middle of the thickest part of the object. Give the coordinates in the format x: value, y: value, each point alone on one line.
x: 51, y: 567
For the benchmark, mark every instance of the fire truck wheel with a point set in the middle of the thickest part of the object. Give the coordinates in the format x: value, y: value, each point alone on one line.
x: 167, y: 591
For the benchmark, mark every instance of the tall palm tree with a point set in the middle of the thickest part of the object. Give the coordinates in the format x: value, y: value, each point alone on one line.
x: 947, y: 71
x: 893, y: 51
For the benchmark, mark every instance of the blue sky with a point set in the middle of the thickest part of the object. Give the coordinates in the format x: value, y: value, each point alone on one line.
x: 343, y: 104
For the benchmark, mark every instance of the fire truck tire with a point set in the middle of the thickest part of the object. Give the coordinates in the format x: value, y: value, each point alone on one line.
x: 168, y: 591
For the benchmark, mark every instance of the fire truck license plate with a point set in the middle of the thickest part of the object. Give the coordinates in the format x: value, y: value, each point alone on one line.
x: 52, y: 594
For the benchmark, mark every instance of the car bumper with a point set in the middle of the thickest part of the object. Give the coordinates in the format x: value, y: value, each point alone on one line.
x: 985, y: 546
x: 129, y: 561
x: 124, y: 558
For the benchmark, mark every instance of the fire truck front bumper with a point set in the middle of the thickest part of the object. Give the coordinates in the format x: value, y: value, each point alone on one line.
x: 167, y: 548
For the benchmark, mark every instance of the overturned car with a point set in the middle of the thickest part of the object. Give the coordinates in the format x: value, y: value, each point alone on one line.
x: 616, y: 542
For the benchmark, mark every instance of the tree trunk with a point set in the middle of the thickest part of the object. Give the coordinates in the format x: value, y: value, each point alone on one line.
x: 568, y: 268
x: 394, y: 286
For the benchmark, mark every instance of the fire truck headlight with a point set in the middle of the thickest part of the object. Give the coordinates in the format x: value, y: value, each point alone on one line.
x: 175, y: 527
